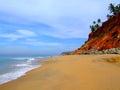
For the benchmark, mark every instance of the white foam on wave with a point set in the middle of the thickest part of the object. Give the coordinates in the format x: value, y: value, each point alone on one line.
x: 15, y: 74
x: 27, y: 58
x: 29, y: 61
x: 22, y: 65
x: 20, y: 58
x: 26, y: 63
x: 20, y: 69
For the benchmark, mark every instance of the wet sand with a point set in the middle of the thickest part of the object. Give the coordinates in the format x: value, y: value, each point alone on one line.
x: 75, y: 72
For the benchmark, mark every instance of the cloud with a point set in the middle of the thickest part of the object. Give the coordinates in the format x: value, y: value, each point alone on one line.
x: 11, y: 36
x: 26, y: 33
x: 34, y: 42
x: 50, y: 24
x: 77, y: 14
x: 18, y: 35
x: 65, y: 33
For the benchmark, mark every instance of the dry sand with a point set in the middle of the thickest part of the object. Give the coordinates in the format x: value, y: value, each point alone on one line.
x: 83, y: 72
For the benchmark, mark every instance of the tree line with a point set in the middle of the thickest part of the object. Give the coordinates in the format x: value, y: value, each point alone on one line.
x: 114, y: 9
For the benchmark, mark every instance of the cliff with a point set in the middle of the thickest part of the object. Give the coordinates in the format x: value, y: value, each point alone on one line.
x: 105, y: 37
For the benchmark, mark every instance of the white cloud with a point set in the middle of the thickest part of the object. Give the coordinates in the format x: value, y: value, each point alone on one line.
x: 65, y: 19
x: 18, y: 34
x: 11, y: 36
x: 65, y: 33
x: 26, y: 33
x: 35, y: 42
x: 52, y: 12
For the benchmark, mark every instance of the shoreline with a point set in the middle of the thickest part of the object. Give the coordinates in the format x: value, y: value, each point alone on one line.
x: 23, y: 73
x: 69, y: 73
x: 5, y: 78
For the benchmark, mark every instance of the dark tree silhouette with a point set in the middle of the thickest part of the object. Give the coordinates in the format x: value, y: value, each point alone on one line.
x: 95, y: 25
x: 99, y: 21
x: 114, y: 9
x: 92, y: 27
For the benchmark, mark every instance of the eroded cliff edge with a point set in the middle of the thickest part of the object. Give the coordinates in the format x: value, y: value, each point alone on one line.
x: 106, y: 37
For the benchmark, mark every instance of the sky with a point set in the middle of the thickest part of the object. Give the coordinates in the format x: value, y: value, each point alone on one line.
x: 47, y: 27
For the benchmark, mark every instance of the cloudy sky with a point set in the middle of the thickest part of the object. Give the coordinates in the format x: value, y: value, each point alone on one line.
x: 47, y: 27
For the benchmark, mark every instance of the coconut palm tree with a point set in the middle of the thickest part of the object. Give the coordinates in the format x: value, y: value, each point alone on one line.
x: 118, y: 8
x: 112, y: 8
x: 94, y: 22
x: 99, y: 20
x: 96, y: 25
x: 92, y: 27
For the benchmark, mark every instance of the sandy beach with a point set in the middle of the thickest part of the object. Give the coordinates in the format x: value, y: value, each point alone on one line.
x: 73, y: 72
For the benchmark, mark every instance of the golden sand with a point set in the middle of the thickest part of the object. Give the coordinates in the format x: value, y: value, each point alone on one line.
x: 77, y: 72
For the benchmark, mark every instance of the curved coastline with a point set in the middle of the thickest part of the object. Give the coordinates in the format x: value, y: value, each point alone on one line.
x: 74, y: 72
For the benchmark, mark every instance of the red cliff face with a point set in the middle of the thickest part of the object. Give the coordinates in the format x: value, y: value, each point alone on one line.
x: 105, y: 37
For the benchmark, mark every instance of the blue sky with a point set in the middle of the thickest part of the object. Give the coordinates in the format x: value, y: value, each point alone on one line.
x: 47, y: 27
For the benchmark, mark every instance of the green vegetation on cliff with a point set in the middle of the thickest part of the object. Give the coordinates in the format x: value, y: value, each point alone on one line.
x: 114, y: 9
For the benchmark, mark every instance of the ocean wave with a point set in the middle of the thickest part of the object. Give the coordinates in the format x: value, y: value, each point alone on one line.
x: 28, y: 58
x: 15, y: 74
x: 19, y: 58
x: 22, y: 65
x: 26, y: 63
x: 18, y: 66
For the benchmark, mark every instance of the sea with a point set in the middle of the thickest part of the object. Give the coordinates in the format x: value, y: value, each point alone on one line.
x: 13, y: 67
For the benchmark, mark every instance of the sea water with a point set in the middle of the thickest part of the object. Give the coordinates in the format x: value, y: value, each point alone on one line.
x: 12, y: 68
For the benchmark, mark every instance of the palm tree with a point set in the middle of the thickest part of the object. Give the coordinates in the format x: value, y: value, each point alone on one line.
x: 92, y: 27
x: 94, y: 22
x: 112, y: 8
x: 99, y: 21
x: 118, y: 8
x: 97, y: 26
